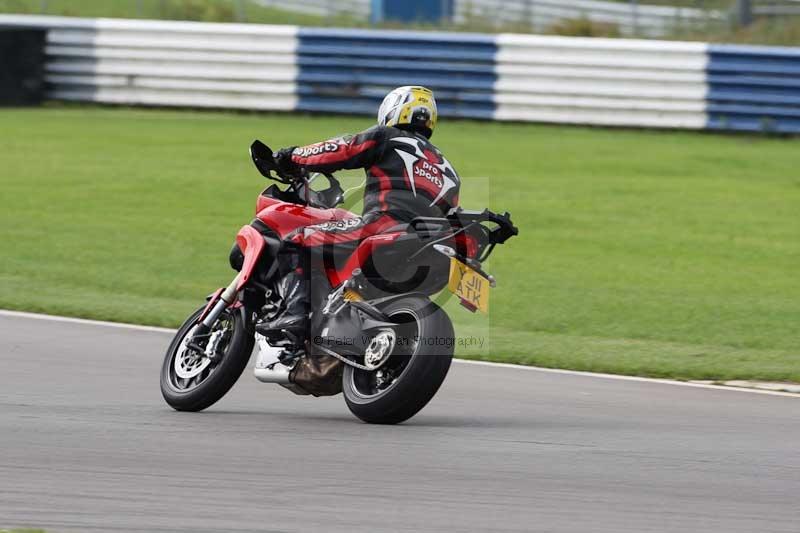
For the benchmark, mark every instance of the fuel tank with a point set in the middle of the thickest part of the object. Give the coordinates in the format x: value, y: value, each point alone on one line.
x: 286, y: 217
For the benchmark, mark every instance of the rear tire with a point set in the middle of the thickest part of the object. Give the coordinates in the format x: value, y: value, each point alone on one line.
x: 215, y: 380
x: 421, y: 366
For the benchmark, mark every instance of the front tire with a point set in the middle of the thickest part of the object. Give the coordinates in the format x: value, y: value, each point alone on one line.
x: 421, y: 357
x: 193, y: 383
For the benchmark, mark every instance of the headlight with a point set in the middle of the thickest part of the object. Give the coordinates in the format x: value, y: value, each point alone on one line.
x: 236, y: 258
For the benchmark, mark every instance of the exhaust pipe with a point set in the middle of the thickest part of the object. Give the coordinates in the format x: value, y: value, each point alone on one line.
x: 274, y: 373
x: 269, y: 369
x: 279, y: 373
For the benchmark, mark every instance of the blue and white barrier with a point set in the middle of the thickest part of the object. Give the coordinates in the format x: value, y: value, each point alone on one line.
x: 617, y: 82
x: 352, y: 70
x: 612, y: 82
x: 753, y: 88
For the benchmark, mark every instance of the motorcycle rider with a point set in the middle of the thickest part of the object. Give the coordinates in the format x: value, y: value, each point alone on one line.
x: 406, y: 177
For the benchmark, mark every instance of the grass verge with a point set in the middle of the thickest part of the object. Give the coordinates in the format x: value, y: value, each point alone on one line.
x: 669, y: 254
x: 197, y: 10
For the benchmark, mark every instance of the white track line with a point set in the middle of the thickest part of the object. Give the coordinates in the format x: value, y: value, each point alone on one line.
x: 85, y: 321
x: 631, y: 378
x: 121, y: 325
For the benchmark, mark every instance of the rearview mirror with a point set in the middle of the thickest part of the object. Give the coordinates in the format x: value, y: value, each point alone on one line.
x: 262, y: 158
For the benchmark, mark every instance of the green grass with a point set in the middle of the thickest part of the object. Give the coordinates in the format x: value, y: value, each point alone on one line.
x: 199, y: 10
x: 654, y: 253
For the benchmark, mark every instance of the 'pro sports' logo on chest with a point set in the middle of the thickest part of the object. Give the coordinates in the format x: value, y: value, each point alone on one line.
x: 426, y: 169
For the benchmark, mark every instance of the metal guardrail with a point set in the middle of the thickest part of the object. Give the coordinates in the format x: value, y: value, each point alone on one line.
x: 628, y: 17
x: 776, y: 8
x: 631, y: 18
x: 358, y: 9
x: 641, y: 83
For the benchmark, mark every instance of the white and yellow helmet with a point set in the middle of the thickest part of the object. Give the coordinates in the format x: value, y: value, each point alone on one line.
x: 412, y: 106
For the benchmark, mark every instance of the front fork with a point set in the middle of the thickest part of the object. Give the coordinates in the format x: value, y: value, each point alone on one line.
x: 252, y: 244
x: 219, y: 301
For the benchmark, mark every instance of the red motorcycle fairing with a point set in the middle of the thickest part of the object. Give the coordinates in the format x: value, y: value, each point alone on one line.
x: 359, y: 257
x: 285, y: 218
x: 251, y: 243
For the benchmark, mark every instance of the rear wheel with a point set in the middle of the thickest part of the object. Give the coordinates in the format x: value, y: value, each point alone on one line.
x: 192, y: 381
x: 421, y: 351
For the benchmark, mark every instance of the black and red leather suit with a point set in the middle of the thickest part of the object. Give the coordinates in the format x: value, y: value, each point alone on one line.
x: 407, y: 176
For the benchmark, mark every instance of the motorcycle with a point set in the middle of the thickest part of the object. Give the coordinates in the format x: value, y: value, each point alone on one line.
x: 375, y: 334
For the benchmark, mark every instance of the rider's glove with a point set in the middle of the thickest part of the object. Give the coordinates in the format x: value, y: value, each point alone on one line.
x: 283, y: 159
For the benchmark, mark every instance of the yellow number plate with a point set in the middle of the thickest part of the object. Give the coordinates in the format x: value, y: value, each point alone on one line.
x: 469, y: 285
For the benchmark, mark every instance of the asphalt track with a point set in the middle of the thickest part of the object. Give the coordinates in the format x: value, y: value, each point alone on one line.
x: 87, y: 444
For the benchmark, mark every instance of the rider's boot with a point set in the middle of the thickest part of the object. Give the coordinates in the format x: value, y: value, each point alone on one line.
x: 293, y: 320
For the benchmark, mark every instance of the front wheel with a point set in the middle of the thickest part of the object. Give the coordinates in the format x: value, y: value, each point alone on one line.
x: 422, y: 349
x: 192, y: 381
